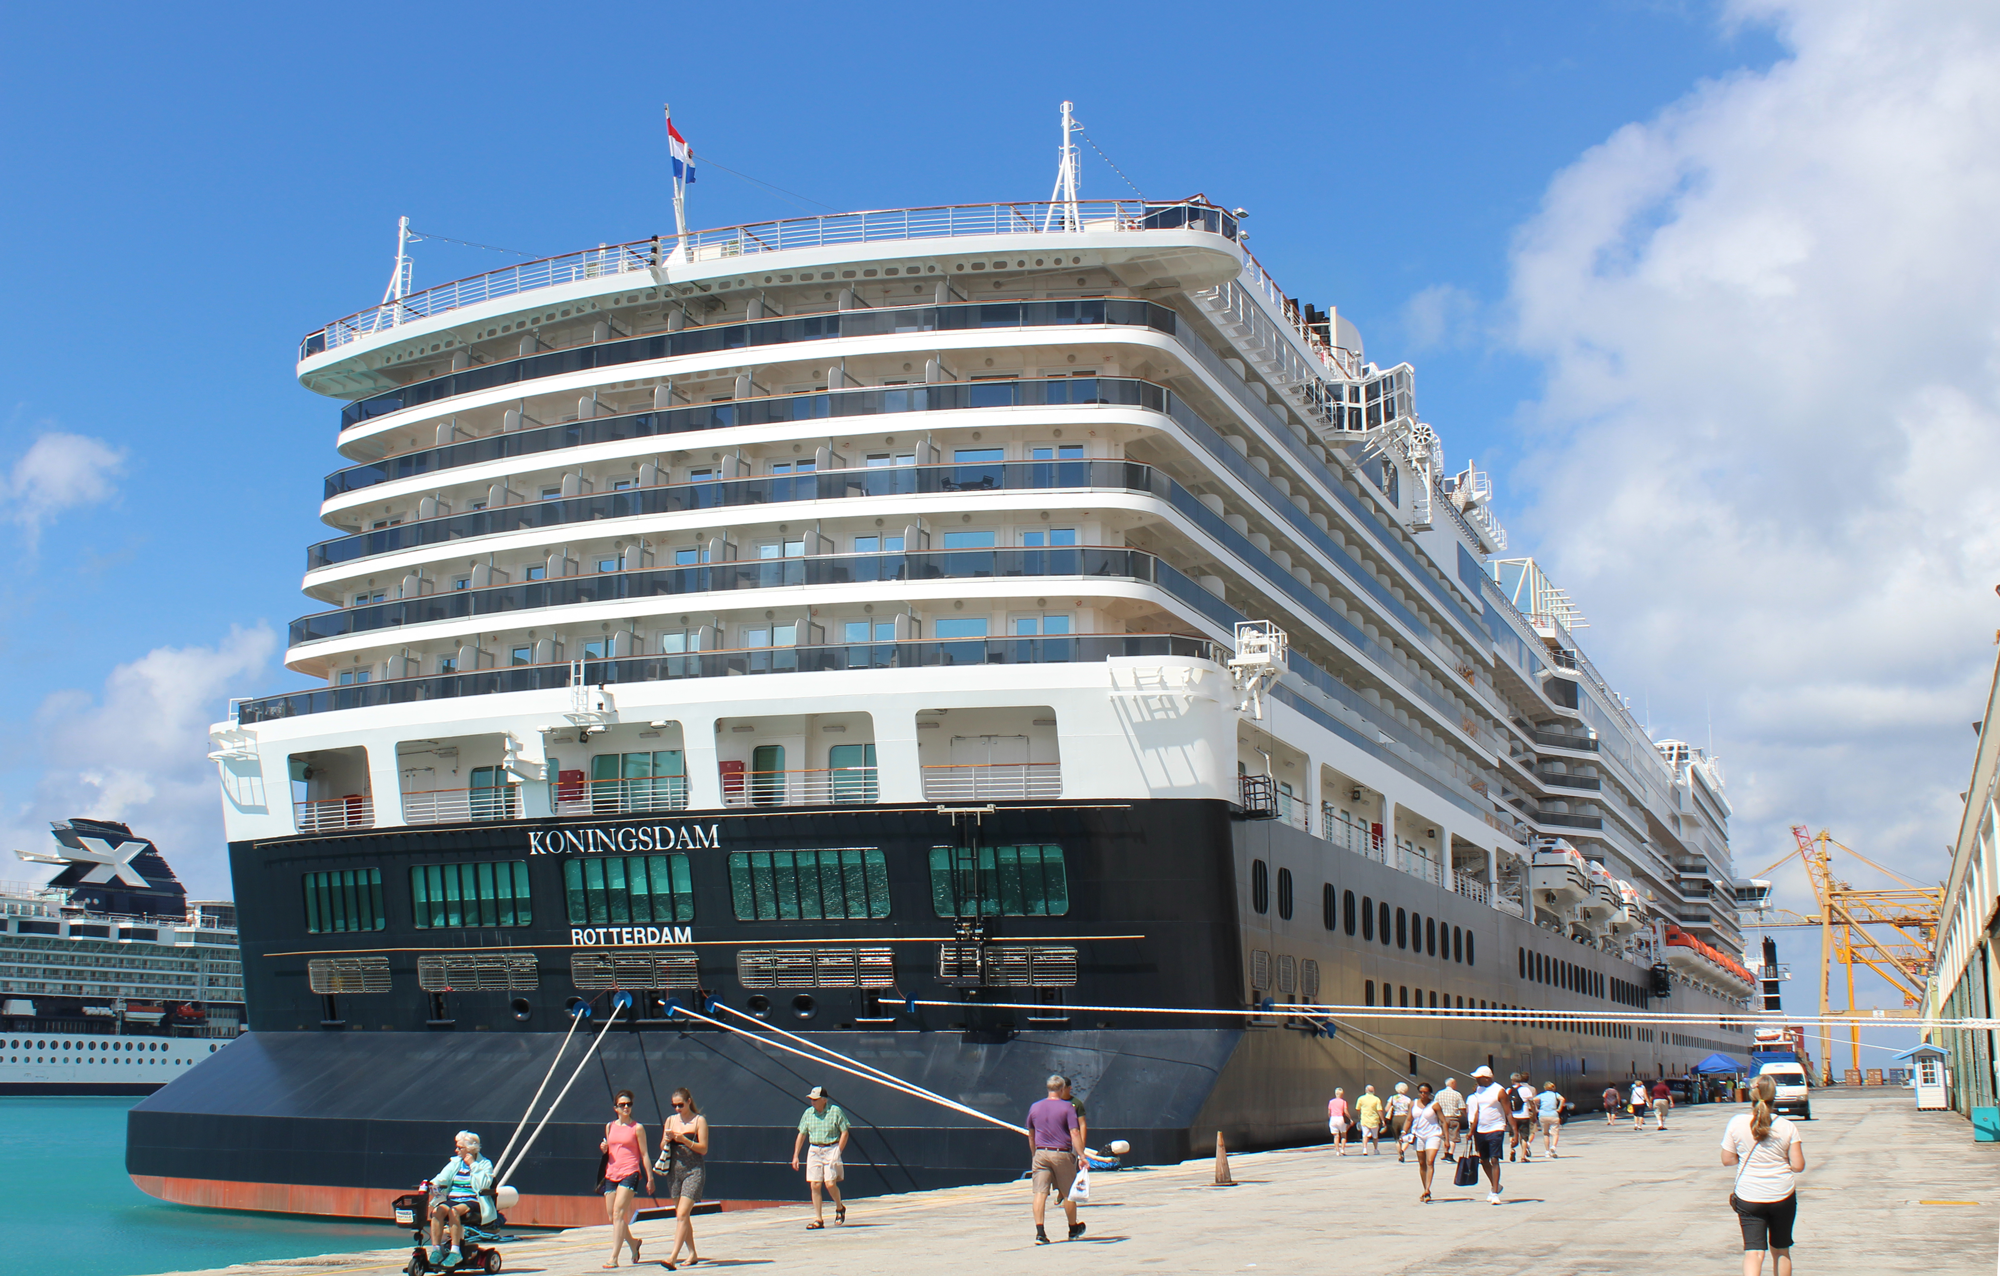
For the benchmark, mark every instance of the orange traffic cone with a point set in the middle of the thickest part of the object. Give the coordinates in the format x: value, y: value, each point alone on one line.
x: 1222, y: 1178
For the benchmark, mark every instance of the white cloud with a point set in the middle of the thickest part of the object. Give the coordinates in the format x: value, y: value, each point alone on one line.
x: 1440, y: 315
x: 138, y: 752
x: 59, y: 471
x: 1764, y: 461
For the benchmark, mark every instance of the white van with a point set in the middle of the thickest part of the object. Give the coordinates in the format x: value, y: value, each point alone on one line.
x: 1793, y: 1098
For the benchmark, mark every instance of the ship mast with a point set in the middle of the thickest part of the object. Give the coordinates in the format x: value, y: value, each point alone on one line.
x: 1063, y: 199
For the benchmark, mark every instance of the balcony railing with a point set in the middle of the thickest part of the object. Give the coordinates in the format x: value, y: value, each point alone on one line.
x: 1556, y: 740
x: 1081, y: 649
x: 832, y: 786
x: 1562, y: 819
x: 987, y: 781
x: 331, y: 815
x: 1555, y: 781
x: 440, y: 806
x: 1470, y: 887
x: 618, y: 797
x: 1110, y: 562
x: 827, y: 485
x: 644, y: 256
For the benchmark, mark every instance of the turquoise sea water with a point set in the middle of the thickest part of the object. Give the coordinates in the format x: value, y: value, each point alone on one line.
x: 70, y: 1210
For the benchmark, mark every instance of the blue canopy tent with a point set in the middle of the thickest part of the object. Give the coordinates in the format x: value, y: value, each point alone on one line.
x: 1720, y: 1065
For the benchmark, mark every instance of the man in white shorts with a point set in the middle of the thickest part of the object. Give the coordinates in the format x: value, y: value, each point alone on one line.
x: 823, y: 1132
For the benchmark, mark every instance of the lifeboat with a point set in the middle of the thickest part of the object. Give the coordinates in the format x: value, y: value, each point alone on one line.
x: 1560, y: 878
x: 1630, y: 914
x: 1704, y: 961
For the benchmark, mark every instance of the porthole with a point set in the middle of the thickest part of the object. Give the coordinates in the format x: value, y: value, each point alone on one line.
x: 1327, y: 907
x: 804, y: 1007
x: 1260, y: 886
x: 1367, y: 918
x: 1347, y: 911
x: 1285, y: 893
x: 1382, y: 921
x: 1430, y: 936
x: 759, y: 1005
x: 1402, y: 929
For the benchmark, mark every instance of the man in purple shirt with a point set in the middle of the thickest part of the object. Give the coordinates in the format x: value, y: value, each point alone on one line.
x: 1055, y: 1144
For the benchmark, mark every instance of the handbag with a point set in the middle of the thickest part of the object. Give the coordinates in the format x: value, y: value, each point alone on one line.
x: 1467, y: 1174
x: 1079, y: 1190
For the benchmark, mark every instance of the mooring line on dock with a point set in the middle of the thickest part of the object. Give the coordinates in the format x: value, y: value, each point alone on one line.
x: 574, y: 1020
x: 499, y: 1175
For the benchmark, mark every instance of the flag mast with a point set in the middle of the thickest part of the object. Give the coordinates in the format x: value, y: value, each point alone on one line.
x: 680, y: 184
x: 1063, y: 198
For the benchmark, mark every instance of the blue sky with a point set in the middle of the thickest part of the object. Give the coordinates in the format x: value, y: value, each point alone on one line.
x: 1487, y: 190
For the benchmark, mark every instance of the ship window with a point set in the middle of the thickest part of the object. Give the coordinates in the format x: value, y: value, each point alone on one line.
x: 1053, y: 538
x: 1260, y: 886
x: 999, y: 881
x: 447, y: 896
x: 1326, y: 906
x: 348, y: 900
x: 1285, y: 893
x: 970, y: 540
x: 878, y: 544
x: 1367, y: 918
x: 1382, y: 920
x: 607, y: 564
x: 628, y: 890
x: 1468, y: 948
x: 1431, y: 936
x: 808, y: 885
x: 1368, y: 992
x: 1347, y: 911
x: 1402, y: 929
x: 1523, y: 961
x: 1457, y: 944
x: 1404, y: 996
x: 962, y: 627
x: 1060, y: 452
x: 980, y: 455
x: 522, y: 656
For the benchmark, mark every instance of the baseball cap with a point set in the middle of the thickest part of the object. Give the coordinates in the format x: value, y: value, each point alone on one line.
x: 817, y: 1092
x: 1482, y: 1071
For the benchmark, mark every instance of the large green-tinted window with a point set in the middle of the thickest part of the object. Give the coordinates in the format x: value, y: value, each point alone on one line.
x: 468, y: 895
x: 348, y: 900
x: 808, y: 885
x: 999, y: 881
x: 628, y: 890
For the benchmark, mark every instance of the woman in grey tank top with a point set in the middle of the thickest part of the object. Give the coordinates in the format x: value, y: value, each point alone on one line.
x: 684, y: 1160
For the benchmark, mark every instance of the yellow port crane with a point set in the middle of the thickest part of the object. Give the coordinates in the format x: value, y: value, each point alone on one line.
x: 1900, y: 947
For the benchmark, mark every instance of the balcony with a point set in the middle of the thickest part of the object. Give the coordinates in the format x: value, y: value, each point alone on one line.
x: 831, y: 786
x: 620, y: 797
x: 641, y: 257
x: 1110, y: 562
x: 442, y: 806
x: 992, y: 781
x: 1563, y: 819
x: 1080, y: 649
x: 332, y: 815
x: 1556, y: 780
x: 1557, y: 740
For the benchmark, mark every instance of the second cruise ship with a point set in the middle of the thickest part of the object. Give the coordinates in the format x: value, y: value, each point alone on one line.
x: 980, y: 641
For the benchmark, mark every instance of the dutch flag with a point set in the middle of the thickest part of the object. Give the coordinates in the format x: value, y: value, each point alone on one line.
x: 683, y: 157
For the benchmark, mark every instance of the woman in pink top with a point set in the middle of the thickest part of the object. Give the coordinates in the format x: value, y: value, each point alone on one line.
x: 625, y: 1147
x: 1337, y: 1120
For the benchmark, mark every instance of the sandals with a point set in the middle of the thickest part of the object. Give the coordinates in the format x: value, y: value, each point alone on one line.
x: 840, y: 1215
x: 815, y: 1225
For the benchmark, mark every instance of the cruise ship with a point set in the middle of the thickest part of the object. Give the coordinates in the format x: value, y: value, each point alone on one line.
x: 112, y: 981
x: 977, y: 641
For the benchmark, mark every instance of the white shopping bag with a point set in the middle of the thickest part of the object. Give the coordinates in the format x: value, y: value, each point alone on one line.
x: 1079, y: 1191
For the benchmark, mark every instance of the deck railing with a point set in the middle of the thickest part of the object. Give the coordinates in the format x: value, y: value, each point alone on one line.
x: 439, y: 806
x: 331, y: 815
x: 828, y: 786
x: 980, y: 781
x: 617, y: 797
x: 646, y: 256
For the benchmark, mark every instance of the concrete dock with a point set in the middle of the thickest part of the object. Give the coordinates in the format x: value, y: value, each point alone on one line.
x: 1888, y: 1189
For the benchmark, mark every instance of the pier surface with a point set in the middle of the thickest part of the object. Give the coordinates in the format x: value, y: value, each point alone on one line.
x: 1888, y: 1189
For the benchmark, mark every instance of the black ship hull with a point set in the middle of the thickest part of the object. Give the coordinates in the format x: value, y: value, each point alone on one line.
x: 334, y: 1104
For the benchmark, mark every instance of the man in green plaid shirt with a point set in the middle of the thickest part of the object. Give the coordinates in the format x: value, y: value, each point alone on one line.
x: 822, y: 1138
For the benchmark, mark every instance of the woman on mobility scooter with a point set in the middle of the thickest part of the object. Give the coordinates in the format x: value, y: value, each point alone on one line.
x: 462, y: 1187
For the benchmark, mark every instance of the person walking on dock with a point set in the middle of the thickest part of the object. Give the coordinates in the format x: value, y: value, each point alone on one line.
x: 823, y: 1132
x: 1521, y: 1094
x: 1399, y: 1117
x: 1488, y: 1108
x: 1369, y: 1109
x: 1451, y: 1107
x: 1611, y: 1104
x: 1338, y: 1120
x: 626, y: 1163
x: 1639, y: 1104
x: 1663, y: 1099
x: 684, y: 1160
x: 1426, y: 1136
x: 1767, y: 1152
x: 1549, y: 1111
x: 1055, y: 1149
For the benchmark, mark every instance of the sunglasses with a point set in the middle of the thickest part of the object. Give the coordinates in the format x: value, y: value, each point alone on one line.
x: 679, y: 1104
x: 621, y: 1104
